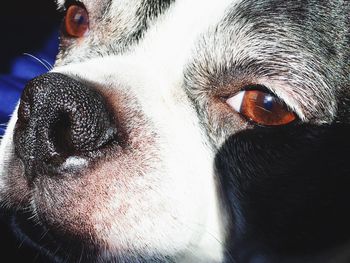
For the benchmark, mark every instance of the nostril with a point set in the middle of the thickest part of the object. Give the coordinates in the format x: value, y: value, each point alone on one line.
x: 59, y: 117
x: 60, y: 133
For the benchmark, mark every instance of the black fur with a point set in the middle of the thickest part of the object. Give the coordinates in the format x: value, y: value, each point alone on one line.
x: 288, y: 193
x: 149, y: 10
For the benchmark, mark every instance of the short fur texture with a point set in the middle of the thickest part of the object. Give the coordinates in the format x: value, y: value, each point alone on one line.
x: 167, y: 171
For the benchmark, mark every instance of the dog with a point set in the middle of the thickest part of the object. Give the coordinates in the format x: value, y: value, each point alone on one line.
x: 185, y: 131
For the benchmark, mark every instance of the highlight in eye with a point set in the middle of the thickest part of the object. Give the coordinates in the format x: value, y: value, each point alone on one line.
x: 76, y: 21
x: 261, y: 107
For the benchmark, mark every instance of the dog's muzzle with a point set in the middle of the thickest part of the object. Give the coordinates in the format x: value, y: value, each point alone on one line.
x: 59, y: 117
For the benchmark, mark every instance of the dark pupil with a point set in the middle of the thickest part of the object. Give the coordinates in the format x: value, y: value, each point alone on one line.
x: 79, y: 19
x: 268, y: 102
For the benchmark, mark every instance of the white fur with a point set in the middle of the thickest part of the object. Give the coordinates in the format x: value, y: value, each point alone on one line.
x: 6, y: 150
x: 177, y: 203
x: 74, y: 163
x: 154, y: 73
x: 184, y: 184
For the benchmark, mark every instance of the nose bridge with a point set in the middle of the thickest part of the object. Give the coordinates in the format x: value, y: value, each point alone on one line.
x: 148, y: 81
x: 151, y: 89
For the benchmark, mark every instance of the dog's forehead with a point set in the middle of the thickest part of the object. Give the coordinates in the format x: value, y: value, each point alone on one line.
x: 284, y: 41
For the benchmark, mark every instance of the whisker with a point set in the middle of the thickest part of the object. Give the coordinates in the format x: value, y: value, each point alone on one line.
x: 42, y: 236
x: 48, y: 63
x: 81, y: 254
x: 227, y: 253
x: 38, y: 60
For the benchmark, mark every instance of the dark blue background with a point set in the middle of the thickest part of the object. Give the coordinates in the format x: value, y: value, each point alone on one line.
x: 26, y: 27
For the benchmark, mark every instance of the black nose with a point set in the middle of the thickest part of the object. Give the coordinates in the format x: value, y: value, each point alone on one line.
x: 58, y: 117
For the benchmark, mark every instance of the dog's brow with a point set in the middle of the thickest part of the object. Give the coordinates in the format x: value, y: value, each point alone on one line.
x: 282, y: 41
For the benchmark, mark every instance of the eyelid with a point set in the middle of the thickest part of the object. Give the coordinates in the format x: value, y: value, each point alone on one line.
x: 68, y: 3
x: 279, y: 91
x: 275, y: 88
x: 294, y: 97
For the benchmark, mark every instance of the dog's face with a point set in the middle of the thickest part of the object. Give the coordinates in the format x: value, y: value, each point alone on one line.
x: 187, y: 131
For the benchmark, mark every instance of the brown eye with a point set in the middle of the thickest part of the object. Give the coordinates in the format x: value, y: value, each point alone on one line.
x: 76, y: 21
x: 262, y: 108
